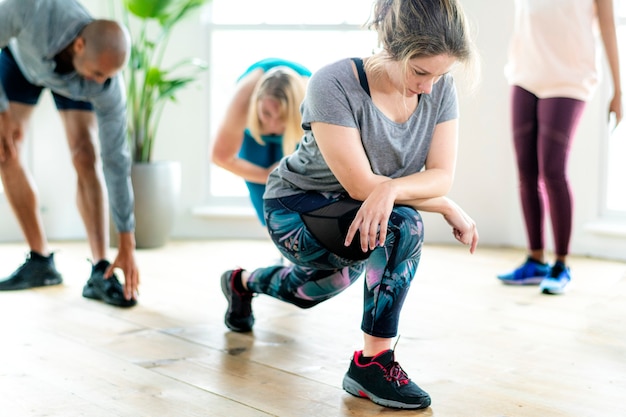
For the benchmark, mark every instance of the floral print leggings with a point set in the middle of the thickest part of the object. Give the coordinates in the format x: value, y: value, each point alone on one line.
x: 318, y: 274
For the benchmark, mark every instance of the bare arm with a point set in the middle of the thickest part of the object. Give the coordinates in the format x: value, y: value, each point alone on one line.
x: 606, y: 20
x: 463, y: 226
x: 423, y: 190
x: 229, y: 138
x: 347, y: 160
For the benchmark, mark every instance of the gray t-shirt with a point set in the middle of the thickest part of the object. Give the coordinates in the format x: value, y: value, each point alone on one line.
x: 395, y: 150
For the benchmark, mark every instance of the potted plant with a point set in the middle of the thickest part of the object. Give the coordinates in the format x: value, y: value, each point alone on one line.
x: 150, y: 86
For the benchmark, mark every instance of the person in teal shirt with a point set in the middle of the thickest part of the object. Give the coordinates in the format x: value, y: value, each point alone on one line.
x: 262, y: 123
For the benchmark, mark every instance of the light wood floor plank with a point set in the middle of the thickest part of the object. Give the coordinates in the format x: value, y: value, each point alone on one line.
x: 479, y: 348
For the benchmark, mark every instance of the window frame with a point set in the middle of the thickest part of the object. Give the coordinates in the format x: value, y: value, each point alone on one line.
x: 242, y: 202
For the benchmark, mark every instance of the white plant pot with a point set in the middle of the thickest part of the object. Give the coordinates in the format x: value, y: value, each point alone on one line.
x: 156, y: 186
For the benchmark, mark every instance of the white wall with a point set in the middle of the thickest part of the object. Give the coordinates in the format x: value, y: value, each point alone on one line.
x: 485, y: 182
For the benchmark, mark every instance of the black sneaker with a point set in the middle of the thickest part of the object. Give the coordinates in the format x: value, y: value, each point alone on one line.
x: 108, y: 290
x: 384, y: 382
x: 239, y: 317
x: 37, y: 271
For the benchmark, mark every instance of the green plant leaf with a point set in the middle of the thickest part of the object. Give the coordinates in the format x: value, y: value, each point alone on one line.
x: 179, y: 10
x: 168, y: 88
x: 154, y: 77
x: 149, y: 9
x: 149, y: 85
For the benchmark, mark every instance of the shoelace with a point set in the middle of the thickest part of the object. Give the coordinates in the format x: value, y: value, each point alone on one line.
x: 395, y: 373
x: 557, y: 270
x: 29, y: 258
x: 111, y: 284
x: 112, y: 281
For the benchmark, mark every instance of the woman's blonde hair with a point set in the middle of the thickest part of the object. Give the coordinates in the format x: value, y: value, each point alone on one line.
x: 410, y: 29
x: 288, y: 87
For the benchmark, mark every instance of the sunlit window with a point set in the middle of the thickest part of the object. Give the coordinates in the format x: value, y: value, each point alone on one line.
x: 312, y: 34
x: 290, y: 12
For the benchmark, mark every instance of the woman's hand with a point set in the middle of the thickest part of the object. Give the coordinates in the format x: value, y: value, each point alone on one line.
x: 463, y: 226
x: 371, y: 219
x: 615, y: 107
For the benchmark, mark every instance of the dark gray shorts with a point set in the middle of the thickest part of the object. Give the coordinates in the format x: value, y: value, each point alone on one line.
x: 20, y: 90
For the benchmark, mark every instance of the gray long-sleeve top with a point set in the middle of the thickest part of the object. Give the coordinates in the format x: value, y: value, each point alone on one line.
x: 35, y: 31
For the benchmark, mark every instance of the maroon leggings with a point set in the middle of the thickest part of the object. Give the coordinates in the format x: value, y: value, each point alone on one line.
x: 542, y: 134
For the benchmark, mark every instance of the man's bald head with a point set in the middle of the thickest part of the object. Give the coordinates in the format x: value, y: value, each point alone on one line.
x: 101, y: 49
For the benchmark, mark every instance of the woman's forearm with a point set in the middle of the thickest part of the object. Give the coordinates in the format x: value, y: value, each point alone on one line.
x: 441, y: 205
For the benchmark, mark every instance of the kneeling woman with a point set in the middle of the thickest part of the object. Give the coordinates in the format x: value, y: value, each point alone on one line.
x: 379, y: 146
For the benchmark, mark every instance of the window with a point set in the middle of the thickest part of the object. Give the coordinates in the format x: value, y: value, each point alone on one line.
x: 615, y: 198
x: 312, y: 34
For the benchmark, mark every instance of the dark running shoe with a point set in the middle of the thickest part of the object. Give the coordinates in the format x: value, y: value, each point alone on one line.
x: 108, y: 290
x: 384, y: 382
x: 238, y: 317
x: 37, y: 271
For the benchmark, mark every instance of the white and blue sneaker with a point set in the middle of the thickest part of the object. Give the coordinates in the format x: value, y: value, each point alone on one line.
x: 557, y: 281
x: 531, y: 272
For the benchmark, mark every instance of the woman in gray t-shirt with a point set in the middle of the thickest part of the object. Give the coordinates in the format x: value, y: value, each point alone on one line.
x: 380, y: 144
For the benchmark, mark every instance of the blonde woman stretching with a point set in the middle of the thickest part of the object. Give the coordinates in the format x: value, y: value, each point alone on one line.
x: 262, y: 123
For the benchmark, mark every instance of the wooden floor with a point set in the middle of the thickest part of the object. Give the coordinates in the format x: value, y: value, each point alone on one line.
x: 479, y: 348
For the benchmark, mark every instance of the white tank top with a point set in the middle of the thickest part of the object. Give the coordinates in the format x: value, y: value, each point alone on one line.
x: 552, y: 52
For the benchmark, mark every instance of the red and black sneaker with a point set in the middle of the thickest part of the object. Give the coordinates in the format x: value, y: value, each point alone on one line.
x: 383, y: 381
x: 239, y: 317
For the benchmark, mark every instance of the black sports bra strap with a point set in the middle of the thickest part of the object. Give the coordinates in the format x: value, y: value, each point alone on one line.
x: 362, y: 77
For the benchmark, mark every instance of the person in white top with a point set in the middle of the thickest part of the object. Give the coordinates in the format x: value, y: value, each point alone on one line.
x: 553, y: 71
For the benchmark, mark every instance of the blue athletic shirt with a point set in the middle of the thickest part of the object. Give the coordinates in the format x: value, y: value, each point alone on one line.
x: 270, y: 153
